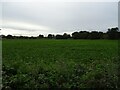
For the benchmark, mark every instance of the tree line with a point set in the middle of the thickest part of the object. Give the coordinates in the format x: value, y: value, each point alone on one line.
x: 112, y: 33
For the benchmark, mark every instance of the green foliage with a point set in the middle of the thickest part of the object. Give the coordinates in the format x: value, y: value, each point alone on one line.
x: 113, y: 33
x: 60, y: 63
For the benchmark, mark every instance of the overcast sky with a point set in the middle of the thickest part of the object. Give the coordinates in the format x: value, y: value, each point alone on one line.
x: 34, y: 18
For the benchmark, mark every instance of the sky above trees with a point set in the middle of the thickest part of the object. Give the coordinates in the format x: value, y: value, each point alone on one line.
x: 34, y: 18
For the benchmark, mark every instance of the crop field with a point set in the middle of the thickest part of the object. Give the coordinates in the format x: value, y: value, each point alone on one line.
x: 59, y: 63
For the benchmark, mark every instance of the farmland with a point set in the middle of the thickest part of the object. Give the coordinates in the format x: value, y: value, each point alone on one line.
x: 39, y: 63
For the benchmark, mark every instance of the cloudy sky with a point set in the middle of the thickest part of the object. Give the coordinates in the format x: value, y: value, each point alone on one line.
x: 34, y: 18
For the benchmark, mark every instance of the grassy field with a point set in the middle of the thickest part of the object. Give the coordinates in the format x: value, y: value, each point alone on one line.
x: 60, y: 63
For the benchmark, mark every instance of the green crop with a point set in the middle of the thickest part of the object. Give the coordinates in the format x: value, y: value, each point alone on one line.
x: 60, y: 63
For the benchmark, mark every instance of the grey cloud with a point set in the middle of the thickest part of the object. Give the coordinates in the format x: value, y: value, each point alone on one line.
x: 64, y: 17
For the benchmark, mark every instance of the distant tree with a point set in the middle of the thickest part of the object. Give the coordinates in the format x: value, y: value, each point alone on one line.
x: 118, y: 35
x: 113, y: 33
x: 26, y: 37
x: 75, y: 35
x: 94, y: 35
x: 21, y: 37
x: 9, y: 36
x: 32, y: 37
x: 105, y: 36
x: 66, y: 36
x: 83, y: 34
x: 50, y: 36
x: 40, y: 36
x: 59, y: 36
x: 3, y: 36
x: 100, y: 35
